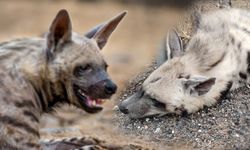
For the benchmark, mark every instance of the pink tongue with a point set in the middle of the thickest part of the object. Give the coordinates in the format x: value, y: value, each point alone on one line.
x: 99, y: 101
x: 90, y: 101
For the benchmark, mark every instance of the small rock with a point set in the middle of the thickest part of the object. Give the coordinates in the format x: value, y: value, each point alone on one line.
x: 158, y: 130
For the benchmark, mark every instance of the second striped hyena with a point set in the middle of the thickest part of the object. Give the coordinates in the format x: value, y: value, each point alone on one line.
x: 36, y: 74
x: 216, y: 59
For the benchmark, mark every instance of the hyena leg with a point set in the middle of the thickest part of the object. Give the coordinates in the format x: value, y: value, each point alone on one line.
x: 69, y: 143
x: 90, y: 147
x: 218, y: 92
x: 78, y: 143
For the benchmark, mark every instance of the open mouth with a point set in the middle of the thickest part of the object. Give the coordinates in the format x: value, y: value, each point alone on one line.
x: 89, y: 104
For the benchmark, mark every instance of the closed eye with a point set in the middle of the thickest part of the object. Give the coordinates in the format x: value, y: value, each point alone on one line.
x: 158, y: 104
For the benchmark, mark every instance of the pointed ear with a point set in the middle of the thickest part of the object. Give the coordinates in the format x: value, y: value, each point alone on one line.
x: 225, y: 4
x: 197, y: 86
x: 172, y: 48
x: 102, y: 32
x: 60, y: 31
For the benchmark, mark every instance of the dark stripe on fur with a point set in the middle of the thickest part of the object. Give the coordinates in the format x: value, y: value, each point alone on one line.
x: 217, y: 62
x: 243, y: 75
x: 24, y: 103
x: 232, y: 40
x: 15, y: 123
x: 16, y: 47
x: 31, y: 115
x: 39, y: 100
x: 32, y: 145
x: 248, y: 62
x: 242, y: 28
x: 225, y: 92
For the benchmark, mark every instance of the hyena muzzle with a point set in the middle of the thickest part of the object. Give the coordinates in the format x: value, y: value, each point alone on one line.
x: 216, y: 59
x: 37, y: 74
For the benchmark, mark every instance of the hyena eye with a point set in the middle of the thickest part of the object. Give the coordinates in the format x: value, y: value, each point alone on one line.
x: 81, y: 70
x: 186, y: 76
x: 158, y: 104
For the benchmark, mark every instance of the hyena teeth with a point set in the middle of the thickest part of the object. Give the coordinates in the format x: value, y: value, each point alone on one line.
x: 82, y: 93
x: 94, y: 102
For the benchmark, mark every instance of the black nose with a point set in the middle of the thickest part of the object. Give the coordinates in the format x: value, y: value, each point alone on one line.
x: 110, y: 87
x: 123, y: 109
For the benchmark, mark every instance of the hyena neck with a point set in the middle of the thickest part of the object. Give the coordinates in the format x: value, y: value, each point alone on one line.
x: 48, y: 92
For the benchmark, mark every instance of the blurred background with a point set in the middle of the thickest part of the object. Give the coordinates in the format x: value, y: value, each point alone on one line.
x: 131, y: 48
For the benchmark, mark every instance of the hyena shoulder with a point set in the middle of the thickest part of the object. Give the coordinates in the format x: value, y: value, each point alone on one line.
x: 19, y: 115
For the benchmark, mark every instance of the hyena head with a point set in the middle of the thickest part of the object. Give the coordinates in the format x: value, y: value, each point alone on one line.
x: 76, y: 67
x: 169, y: 88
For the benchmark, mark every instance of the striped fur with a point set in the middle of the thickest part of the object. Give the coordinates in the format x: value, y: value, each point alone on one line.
x: 76, y: 143
x: 38, y: 73
x: 216, y: 59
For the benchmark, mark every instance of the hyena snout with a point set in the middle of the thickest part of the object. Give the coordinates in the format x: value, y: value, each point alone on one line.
x: 105, y: 88
x: 110, y: 87
x: 123, y: 108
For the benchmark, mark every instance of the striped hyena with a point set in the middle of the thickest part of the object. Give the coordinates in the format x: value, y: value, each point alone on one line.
x: 216, y: 59
x: 39, y: 73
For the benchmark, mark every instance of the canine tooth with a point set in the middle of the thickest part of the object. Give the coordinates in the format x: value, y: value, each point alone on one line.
x: 116, y: 108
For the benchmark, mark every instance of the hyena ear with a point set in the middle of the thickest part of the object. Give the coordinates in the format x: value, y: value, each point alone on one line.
x: 60, y: 31
x: 102, y: 32
x: 225, y: 4
x: 198, y: 86
x: 172, y: 48
x: 196, y: 18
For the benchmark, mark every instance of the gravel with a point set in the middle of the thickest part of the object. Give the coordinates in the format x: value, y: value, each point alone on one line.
x: 224, y: 126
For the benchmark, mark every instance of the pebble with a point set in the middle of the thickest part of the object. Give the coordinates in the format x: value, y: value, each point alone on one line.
x: 157, y: 130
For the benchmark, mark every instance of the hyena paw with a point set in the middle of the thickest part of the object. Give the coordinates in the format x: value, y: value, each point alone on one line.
x: 89, y: 147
